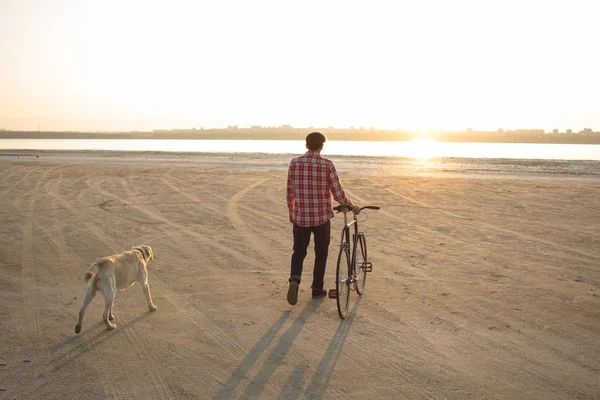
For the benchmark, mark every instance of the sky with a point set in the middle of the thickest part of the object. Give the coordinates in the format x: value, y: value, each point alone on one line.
x: 142, y: 65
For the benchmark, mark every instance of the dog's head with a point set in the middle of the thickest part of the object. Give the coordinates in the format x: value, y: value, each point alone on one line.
x: 146, y: 252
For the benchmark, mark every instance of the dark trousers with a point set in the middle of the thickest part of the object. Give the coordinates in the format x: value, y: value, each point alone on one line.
x: 322, y: 234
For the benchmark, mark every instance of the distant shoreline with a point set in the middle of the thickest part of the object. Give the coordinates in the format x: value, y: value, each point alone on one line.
x: 361, y: 165
x: 332, y: 134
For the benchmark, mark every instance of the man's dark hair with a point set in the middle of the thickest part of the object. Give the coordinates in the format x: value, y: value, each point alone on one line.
x: 315, y: 140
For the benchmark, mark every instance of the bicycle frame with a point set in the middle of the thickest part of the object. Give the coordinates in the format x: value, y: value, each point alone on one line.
x: 349, y: 253
x: 345, y: 242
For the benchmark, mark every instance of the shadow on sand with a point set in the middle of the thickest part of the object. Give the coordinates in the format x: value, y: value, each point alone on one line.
x: 322, y: 376
x: 75, y: 347
x: 293, y: 387
x: 79, y: 345
x: 272, y: 362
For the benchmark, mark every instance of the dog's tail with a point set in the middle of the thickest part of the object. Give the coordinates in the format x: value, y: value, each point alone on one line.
x: 92, y: 272
x: 89, y: 275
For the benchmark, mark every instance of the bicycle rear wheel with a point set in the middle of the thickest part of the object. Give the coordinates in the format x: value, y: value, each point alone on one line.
x: 361, y: 258
x: 342, y: 281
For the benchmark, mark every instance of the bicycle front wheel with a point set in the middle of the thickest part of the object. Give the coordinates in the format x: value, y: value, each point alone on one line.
x: 343, y: 279
x: 361, y: 258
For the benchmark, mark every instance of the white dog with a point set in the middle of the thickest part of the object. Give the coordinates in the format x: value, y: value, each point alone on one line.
x: 116, y: 272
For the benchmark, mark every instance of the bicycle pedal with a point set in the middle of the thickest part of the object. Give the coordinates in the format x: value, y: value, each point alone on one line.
x: 367, y: 267
x: 332, y: 294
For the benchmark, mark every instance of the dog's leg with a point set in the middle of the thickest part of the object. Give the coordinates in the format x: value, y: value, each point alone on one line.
x: 109, y: 299
x: 111, y: 316
x: 90, y: 292
x: 107, y: 306
x: 146, y: 289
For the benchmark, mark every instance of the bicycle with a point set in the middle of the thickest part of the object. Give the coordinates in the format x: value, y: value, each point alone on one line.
x: 352, y: 266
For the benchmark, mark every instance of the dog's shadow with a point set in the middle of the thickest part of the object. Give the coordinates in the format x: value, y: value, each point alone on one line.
x: 79, y: 345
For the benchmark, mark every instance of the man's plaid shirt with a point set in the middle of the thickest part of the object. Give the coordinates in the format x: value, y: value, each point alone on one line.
x: 311, y: 181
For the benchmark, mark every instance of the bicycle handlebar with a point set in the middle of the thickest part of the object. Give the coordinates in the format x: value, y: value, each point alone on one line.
x: 345, y: 208
x: 371, y: 207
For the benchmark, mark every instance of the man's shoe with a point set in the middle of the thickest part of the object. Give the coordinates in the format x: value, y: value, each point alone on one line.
x: 292, y: 295
x: 316, y: 293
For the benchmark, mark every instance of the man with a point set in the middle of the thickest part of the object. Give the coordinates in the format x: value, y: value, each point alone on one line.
x: 311, y: 181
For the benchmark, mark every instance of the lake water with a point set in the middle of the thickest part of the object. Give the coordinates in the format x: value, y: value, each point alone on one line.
x: 421, y: 149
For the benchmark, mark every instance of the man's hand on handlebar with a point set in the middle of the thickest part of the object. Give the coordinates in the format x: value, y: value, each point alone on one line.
x: 356, y: 209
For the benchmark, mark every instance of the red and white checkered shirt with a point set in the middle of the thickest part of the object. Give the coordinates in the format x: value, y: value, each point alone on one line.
x: 311, y: 181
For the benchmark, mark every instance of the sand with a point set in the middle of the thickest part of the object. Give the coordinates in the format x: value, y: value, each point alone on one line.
x: 484, y: 286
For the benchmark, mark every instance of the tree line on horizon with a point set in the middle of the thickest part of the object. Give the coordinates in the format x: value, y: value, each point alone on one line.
x: 286, y: 132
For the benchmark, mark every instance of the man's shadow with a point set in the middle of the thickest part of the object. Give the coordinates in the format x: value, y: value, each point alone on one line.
x: 274, y: 359
x: 293, y: 387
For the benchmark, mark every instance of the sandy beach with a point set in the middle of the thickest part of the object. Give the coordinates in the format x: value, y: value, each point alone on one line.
x: 484, y: 286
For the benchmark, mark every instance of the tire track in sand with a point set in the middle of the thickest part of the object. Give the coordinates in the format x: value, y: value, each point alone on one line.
x: 30, y: 312
x: 488, y: 345
x: 391, y: 364
x: 15, y: 184
x: 490, y: 226
x: 291, y: 353
x: 69, y: 257
x: 238, y: 223
x: 176, y: 226
x: 183, y: 306
x: 134, y: 338
x: 192, y: 313
x: 66, y: 253
x: 234, y: 218
x: 277, y: 219
x: 89, y: 341
x: 415, y: 227
x: 69, y: 354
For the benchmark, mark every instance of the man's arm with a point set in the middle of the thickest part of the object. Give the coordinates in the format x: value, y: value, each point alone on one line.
x: 335, y: 186
x: 289, y: 195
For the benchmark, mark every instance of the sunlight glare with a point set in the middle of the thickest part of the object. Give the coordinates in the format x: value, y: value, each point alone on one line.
x: 422, y: 148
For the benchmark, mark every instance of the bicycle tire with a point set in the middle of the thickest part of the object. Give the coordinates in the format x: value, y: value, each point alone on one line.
x: 361, y: 258
x: 342, y: 276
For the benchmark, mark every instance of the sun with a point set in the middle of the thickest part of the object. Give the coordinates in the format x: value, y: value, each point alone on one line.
x: 422, y: 148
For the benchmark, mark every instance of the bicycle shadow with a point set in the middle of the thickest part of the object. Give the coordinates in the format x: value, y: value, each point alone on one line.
x: 273, y: 360
x: 322, y: 376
